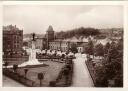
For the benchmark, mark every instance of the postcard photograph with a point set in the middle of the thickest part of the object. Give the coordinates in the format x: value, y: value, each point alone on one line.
x: 62, y: 46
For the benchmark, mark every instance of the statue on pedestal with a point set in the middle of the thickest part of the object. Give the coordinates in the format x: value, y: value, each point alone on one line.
x: 33, y: 36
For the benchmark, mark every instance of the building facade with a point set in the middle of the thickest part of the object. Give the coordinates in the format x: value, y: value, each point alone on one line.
x: 55, y: 44
x: 39, y: 43
x: 81, y: 46
x: 64, y: 45
x: 59, y: 45
x: 12, y: 41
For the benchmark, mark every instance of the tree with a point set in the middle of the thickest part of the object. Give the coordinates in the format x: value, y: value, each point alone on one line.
x: 106, y: 48
x: 15, y: 68
x: 113, y: 64
x: 63, y: 55
x: 90, y: 48
x: 112, y: 67
x: 40, y: 77
x: 6, y: 64
x: 74, y: 48
x: 120, y: 45
x: 101, y: 78
x: 78, y: 32
x: 99, y: 50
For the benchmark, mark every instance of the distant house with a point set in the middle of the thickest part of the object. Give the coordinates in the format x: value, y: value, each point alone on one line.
x: 102, y: 41
x: 81, y: 46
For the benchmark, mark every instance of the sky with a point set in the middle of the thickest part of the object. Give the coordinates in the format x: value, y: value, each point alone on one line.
x: 37, y: 18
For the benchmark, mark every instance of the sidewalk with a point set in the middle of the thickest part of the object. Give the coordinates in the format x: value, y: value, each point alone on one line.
x: 81, y: 76
x: 7, y: 82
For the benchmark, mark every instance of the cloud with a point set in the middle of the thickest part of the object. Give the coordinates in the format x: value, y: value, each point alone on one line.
x: 37, y: 18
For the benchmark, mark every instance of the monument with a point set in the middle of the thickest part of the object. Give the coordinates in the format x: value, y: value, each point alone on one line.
x: 32, y: 57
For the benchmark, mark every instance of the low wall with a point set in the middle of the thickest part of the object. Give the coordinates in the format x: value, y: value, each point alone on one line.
x: 16, y: 59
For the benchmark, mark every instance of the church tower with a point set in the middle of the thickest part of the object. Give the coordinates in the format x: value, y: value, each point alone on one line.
x: 49, y: 35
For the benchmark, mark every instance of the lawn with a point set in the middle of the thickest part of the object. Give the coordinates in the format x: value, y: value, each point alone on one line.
x: 51, y: 71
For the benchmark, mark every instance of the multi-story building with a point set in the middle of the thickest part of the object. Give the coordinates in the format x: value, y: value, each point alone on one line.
x: 39, y: 43
x: 55, y: 44
x: 59, y: 45
x: 12, y: 41
x: 12, y: 44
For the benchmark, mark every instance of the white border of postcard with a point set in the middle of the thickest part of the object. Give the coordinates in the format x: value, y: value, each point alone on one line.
x: 123, y: 3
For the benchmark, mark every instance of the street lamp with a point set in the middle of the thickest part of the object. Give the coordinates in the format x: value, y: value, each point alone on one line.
x: 25, y: 71
x: 40, y: 77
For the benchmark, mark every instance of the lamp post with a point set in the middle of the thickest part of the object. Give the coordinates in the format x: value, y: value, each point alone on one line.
x: 40, y: 77
x: 25, y: 71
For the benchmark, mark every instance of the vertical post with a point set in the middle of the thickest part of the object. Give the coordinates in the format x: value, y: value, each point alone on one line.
x: 40, y: 82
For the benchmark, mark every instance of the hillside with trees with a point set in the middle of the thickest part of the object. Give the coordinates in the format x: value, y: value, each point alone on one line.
x: 78, y: 32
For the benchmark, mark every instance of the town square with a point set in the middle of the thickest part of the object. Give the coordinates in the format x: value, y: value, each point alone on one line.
x: 62, y: 46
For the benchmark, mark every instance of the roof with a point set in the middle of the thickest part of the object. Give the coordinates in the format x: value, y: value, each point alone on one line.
x: 85, y: 39
x: 74, y: 39
x: 82, y: 44
x: 10, y: 28
x: 103, y: 41
x: 50, y: 28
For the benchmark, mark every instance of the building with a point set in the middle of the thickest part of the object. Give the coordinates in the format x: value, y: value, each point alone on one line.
x: 64, y: 44
x: 49, y: 35
x: 81, y: 46
x: 12, y: 41
x: 12, y: 45
x: 40, y: 43
x: 55, y: 44
x: 59, y: 45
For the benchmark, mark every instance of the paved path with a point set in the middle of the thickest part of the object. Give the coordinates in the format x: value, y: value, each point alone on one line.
x: 7, y: 82
x: 81, y: 76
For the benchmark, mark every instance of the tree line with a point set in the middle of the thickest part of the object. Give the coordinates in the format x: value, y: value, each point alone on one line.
x: 78, y: 32
x: 110, y: 70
